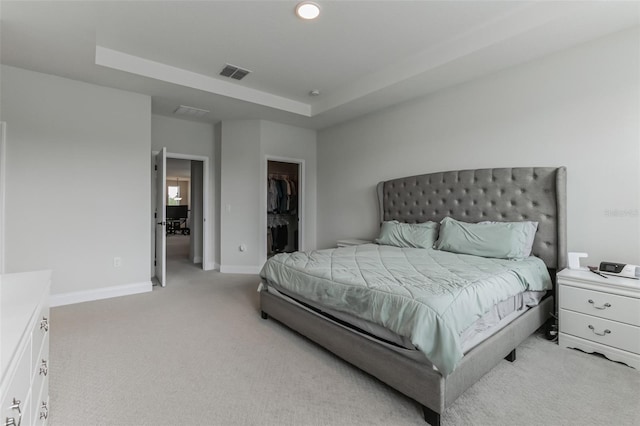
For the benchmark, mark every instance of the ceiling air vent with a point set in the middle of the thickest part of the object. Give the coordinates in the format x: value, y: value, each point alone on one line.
x: 234, y: 72
x: 190, y: 111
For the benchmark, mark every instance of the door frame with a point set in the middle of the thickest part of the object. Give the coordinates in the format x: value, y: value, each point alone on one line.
x: 160, y: 220
x: 3, y: 183
x: 301, y: 202
x: 206, y: 232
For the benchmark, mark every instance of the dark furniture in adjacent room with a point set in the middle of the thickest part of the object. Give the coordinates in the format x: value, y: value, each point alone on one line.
x: 177, y: 220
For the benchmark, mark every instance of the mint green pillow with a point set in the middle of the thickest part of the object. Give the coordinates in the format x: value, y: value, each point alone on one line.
x: 418, y: 235
x: 501, y: 240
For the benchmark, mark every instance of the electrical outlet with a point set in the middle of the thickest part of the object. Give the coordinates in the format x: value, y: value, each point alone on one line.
x: 117, y: 262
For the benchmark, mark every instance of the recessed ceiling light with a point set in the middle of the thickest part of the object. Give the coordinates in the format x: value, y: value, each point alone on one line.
x: 314, y: 92
x: 307, y: 10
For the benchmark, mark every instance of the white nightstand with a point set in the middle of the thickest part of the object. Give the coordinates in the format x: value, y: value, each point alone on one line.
x: 600, y: 315
x: 352, y: 242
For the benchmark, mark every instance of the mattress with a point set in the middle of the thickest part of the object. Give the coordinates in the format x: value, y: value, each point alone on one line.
x: 428, y: 296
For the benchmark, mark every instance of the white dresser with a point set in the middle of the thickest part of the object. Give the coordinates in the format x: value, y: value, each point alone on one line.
x: 600, y: 315
x: 24, y: 348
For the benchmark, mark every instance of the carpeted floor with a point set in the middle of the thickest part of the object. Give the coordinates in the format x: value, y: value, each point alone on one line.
x: 197, y: 353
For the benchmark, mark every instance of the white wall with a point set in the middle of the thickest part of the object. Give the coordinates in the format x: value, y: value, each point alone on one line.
x: 77, y: 181
x: 3, y: 169
x: 283, y: 141
x: 181, y: 136
x: 217, y: 148
x: 239, y: 196
x: 245, y: 145
x: 578, y: 108
x: 191, y: 138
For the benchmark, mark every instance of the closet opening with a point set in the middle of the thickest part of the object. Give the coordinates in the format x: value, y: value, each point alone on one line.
x: 283, y: 206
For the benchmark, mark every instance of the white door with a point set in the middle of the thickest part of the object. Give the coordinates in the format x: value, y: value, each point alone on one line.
x: 3, y: 174
x: 161, y: 216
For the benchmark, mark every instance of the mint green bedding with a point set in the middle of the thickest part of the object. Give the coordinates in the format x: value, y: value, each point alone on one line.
x: 426, y: 295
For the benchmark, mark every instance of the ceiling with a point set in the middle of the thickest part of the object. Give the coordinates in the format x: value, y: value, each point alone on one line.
x: 361, y: 55
x: 178, y: 168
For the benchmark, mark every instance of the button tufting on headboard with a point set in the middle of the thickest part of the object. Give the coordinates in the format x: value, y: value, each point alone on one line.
x: 486, y: 194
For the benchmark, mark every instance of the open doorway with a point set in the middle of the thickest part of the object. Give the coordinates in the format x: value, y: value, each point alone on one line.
x: 284, y: 202
x: 179, y: 214
x: 181, y: 200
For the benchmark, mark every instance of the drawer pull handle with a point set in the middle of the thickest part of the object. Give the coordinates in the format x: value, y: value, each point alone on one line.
x: 16, y: 405
x: 11, y: 421
x: 605, y: 306
x: 43, y: 368
x: 44, y: 324
x: 44, y: 411
x: 606, y: 331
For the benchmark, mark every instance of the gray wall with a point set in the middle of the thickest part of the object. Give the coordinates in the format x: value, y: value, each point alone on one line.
x: 191, y: 138
x: 578, y: 108
x: 245, y: 146
x: 77, y: 180
x: 239, y: 196
x: 288, y: 142
x: 217, y: 148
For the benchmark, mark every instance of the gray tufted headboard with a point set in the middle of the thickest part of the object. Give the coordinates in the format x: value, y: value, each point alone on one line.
x: 506, y: 194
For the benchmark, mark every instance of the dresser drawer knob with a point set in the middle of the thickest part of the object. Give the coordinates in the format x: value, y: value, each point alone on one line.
x: 606, y: 331
x: 44, y: 324
x: 605, y: 306
x: 16, y: 405
x: 11, y: 421
x: 43, y: 368
x: 44, y: 411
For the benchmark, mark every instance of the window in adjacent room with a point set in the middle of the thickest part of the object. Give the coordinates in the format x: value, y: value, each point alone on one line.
x: 173, y: 196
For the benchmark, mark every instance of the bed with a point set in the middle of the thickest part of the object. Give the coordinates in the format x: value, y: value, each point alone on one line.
x: 435, y: 381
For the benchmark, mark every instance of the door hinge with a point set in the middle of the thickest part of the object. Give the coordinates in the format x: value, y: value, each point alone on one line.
x: 155, y: 215
x: 156, y: 167
x: 155, y: 263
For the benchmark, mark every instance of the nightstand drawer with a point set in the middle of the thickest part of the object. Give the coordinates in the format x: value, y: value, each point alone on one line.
x: 600, y: 304
x: 610, y: 333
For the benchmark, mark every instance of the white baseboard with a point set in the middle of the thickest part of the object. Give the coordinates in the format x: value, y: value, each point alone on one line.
x: 239, y: 269
x: 210, y: 266
x: 70, y: 298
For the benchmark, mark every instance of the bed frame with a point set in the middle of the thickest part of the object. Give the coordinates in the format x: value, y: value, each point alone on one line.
x: 502, y: 194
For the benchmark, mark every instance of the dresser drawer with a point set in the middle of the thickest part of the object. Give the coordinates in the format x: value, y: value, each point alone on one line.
x: 40, y: 330
x: 41, y: 371
x: 40, y: 404
x: 42, y: 414
x: 15, y: 398
x: 10, y: 410
x: 24, y: 340
x: 606, y: 332
x: 600, y: 304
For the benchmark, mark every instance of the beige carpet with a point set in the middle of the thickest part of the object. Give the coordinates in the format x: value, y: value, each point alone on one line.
x: 197, y: 353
